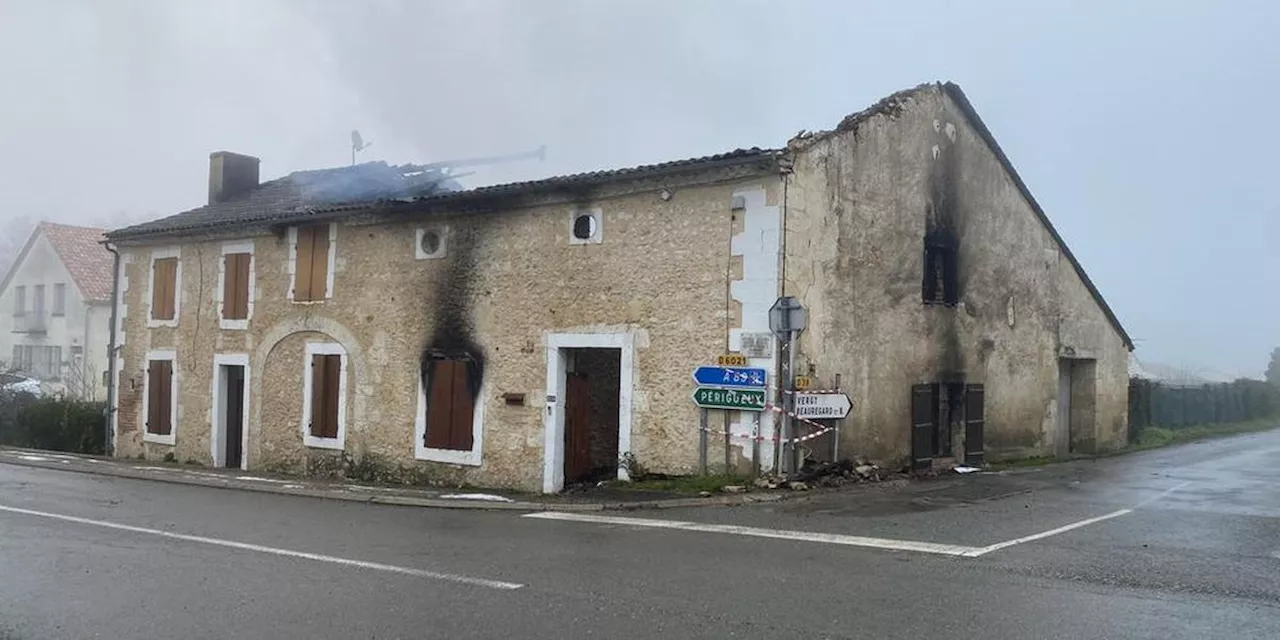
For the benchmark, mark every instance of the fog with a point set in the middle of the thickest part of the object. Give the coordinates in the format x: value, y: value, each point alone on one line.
x: 1143, y: 128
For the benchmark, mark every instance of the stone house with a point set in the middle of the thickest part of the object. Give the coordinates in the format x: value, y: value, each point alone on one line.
x: 58, y: 293
x: 534, y: 334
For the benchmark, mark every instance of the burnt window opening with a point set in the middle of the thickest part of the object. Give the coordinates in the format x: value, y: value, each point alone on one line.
x: 431, y: 243
x: 941, y: 278
x: 584, y: 227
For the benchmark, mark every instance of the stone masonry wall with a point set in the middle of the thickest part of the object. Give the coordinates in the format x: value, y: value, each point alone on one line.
x: 857, y: 207
x: 508, y: 279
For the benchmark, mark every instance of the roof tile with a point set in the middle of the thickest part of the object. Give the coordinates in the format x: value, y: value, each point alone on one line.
x: 89, y: 263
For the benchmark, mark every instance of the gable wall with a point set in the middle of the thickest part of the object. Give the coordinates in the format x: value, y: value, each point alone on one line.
x: 856, y: 211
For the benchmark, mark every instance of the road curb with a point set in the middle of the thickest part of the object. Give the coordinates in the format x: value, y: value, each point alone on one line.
x: 113, y: 469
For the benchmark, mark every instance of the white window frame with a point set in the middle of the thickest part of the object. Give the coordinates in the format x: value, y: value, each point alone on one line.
x: 595, y: 213
x: 147, y: 436
x: 293, y: 263
x: 470, y: 457
x: 229, y: 248
x: 217, y: 423
x: 159, y: 254
x: 442, y: 231
x: 324, y: 349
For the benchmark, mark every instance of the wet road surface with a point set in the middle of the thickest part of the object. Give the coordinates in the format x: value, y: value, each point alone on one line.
x: 1177, y: 543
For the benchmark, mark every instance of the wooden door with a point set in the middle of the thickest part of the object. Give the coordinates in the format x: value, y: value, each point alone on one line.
x: 234, y: 415
x: 577, y: 427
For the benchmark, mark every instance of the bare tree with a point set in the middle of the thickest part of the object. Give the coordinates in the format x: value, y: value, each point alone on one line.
x: 1273, y: 369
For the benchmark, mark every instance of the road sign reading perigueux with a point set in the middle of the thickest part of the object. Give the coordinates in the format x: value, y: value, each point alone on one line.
x: 733, y: 399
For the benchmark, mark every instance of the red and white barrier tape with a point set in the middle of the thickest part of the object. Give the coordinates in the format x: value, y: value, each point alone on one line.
x: 771, y: 438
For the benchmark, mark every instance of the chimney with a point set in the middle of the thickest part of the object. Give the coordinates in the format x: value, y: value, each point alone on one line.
x: 231, y: 175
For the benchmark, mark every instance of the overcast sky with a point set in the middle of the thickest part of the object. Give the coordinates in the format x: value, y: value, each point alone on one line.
x: 1144, y: 128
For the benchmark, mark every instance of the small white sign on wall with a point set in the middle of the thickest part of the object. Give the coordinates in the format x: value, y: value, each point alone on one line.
x: 757, y: 345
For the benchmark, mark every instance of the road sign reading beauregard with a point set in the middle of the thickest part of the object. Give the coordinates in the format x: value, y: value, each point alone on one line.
x: 730, y: 377
x: 822, y: 405
x: 736, y: 399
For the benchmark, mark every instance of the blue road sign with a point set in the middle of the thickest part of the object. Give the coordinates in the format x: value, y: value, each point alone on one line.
x: 740, y: 377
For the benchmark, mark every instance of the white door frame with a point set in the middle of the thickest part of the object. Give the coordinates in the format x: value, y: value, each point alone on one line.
x: 217, y: 421
x: 553, y: 418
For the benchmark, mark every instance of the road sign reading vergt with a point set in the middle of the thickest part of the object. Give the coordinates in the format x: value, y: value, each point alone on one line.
x: 733, y: 399
x: 730, y: 377
x: 822, y: 405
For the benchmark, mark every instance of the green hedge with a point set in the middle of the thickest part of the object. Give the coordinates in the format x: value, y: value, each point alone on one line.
x: 52, y: 423
x: 1152, y: 404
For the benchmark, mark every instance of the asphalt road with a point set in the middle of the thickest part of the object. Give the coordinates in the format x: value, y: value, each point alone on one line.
x: 1177, y: 543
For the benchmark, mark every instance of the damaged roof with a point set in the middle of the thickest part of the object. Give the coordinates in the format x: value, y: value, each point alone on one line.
x: 299, y: 195
x: 365, y: 186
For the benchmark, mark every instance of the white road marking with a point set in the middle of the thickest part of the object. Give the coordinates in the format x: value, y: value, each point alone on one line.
x: 1045, y: 534
x: 376, y: 566
x: 781, y: 534
x: 1163, y: 494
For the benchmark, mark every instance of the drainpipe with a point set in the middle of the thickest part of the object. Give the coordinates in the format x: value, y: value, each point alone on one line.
x: 111, y: 351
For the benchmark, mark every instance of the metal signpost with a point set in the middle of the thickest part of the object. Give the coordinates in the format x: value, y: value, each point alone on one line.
x: 727, y: 388
x: 787, y: 318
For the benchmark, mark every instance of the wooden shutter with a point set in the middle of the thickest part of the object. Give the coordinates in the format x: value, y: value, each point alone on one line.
x: 235, y: 289
x: 974, y: 424
x: 302, y: 264
x: 332, y: 395
x: 326, y: 372
x: 440, y: 379
x: 923, y: 411
x: 319, y: 262
x: 159, y: 397
x: 164, y: 288
x: 462, y: 409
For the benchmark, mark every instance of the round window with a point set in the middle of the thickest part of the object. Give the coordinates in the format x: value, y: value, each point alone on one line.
x: 584, y: 227
x: 430, y: 242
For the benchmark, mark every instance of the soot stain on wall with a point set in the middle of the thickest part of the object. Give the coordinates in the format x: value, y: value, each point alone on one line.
x: 942, y: 252
x: 452, y: 335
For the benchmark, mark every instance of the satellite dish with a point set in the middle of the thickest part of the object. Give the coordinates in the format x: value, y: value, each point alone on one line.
x: 357, y: 144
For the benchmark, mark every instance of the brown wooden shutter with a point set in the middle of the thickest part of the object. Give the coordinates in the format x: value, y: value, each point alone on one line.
x: 319, y: 262
x: 317, y: 396
x: 974, y: 424
x: 924, y: 409
x: 244, y: 271
x: 461, y: 409
x: 332, y: 394
x: 159, y: 397
x: 153, y: 394
x: 235, y: 290
x: 302, y: 264
x: 164, y: 288
x: 440, y: 404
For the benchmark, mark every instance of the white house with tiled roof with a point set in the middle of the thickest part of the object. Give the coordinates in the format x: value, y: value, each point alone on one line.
x: 57, y: 296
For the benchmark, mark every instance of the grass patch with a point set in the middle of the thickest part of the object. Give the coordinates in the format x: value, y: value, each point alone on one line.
x: 1151, y: 438
x: 688, y: 484
x: 1155, y: 437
